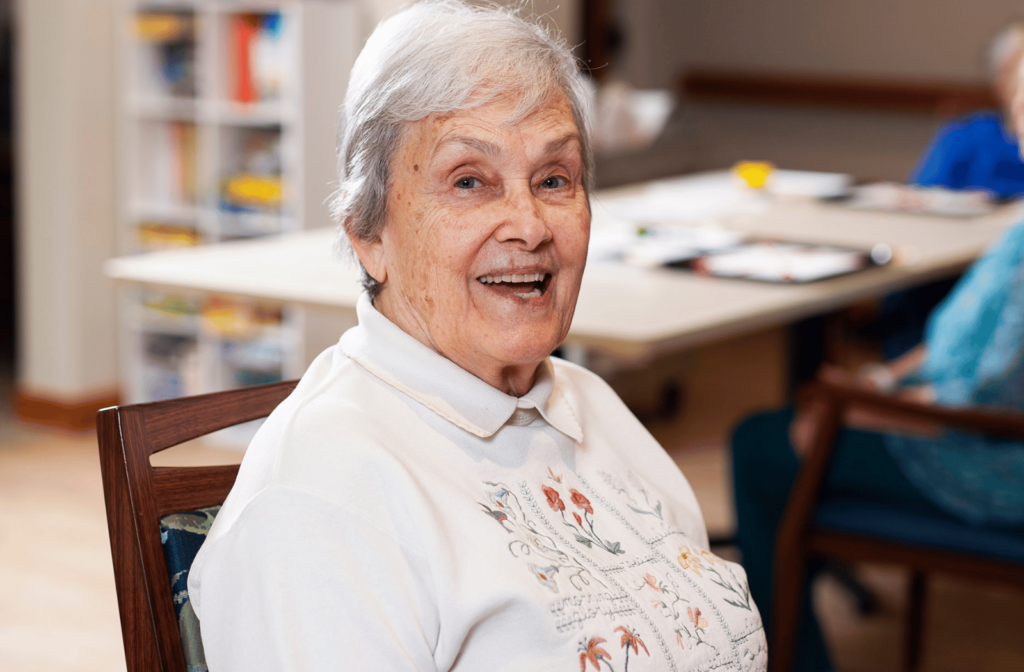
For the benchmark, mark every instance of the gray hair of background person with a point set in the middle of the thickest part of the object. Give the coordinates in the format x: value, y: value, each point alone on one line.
x: 1007, y: 44
x: 438, y: 57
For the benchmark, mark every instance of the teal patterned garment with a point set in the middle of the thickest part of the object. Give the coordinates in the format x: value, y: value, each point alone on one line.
x: 181, y: 535
x: 975, y: 343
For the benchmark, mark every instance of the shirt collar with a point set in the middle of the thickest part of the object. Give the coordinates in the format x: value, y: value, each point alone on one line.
x: 383, y: 349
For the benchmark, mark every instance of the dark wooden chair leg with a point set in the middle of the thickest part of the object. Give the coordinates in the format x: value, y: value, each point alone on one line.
x: 788, y: 595
x: 916, y: 602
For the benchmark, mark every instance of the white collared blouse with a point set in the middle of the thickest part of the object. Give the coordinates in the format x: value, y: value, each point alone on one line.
x: 398, y: 513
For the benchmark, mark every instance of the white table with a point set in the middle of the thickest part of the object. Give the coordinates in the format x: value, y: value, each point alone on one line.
x: 623, y: 311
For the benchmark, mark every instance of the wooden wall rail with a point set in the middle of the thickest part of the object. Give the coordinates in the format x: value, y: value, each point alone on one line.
x: 939, y: 98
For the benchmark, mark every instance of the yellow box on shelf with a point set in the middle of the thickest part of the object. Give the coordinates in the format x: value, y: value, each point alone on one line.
x: 248, y: 190
x: 163, y: 27
x: 160, y: 236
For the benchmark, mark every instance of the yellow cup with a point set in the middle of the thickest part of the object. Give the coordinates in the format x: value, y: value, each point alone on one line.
x: 754, y: 174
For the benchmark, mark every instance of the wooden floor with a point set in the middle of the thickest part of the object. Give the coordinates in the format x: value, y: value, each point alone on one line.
x: 59, y: 611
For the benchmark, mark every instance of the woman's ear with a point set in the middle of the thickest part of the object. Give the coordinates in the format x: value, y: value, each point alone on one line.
x: 371, y: 255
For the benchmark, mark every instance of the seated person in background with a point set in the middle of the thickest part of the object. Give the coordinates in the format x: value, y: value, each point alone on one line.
x: 438, y: 493
x: 977, y: 151
x: 973, y: 355
x: 980, y: 150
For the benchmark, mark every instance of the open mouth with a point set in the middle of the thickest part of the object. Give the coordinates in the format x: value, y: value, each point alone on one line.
x: 523, y: 285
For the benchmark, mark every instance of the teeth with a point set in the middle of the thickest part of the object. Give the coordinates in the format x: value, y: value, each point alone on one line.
x: 515, y: 277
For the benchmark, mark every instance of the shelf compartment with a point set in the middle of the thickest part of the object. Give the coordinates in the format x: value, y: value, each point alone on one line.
x: 164, y: 41
x: 165, y: 184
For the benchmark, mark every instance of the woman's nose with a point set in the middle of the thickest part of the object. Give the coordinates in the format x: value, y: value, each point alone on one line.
x: 523, y: 218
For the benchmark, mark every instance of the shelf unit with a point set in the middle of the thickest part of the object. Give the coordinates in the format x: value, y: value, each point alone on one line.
x: 227, y: 130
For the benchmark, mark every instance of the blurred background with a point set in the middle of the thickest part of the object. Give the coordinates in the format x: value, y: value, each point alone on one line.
x: 128, y: 127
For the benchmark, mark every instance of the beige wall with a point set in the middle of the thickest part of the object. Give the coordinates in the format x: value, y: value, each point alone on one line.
x: 65, y: 164
x: 900, y: 39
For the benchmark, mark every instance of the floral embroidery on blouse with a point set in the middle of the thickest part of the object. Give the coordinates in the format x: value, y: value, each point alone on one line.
x: 689, y: 586
x: 590, y: 650
x: 546, y: 575
x: 670, y: 603
x: 697, y: 560
x: 635, y: 494
x: 583, y: 529
x: 529, y: 541
x: 631, y: 639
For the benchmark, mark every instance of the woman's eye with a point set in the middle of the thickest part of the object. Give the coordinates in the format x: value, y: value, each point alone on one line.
x: 467, y: 183
x: 554, y: 182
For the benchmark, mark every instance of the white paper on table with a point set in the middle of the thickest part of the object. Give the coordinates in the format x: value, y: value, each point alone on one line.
x: 809, y: 183
x: 783, y: 262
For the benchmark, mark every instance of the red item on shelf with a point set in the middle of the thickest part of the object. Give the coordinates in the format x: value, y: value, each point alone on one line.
x: 245, y: 29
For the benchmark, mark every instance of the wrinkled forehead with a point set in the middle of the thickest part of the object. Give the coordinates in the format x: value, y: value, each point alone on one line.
x: 477, y: 126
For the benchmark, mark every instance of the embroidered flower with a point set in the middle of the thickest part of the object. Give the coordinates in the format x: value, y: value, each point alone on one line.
x: 592, y: 652
x: 498, y: 515
x: 579, y: 521
x: 679, y: 639
x: 554, y: 499
x: 630, y: 638
x: 546, y: 576
x: 499, y: 498
x: 687, y: 560
x: 652, y: 581
x: 556, y: 479
x: 710, y: 557
x: 580, y: 501
x: 699, y: 622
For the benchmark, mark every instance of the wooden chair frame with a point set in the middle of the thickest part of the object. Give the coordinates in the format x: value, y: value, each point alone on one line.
x: 138, y: 494
x: 798, y: 538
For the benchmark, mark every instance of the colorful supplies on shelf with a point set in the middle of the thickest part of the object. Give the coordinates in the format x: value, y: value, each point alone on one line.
x: 261, y: 56
x: 160, y: 236
x: 247, y: 191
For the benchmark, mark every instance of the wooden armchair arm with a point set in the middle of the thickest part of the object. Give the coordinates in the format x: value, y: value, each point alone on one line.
x: 1000, y: 422
x: 832, y: 401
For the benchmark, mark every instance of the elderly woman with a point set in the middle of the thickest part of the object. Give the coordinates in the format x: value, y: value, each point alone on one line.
x: 438, y: 493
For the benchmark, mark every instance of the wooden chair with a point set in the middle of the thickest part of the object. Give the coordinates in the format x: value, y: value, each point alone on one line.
x: 812, y: 526
x: 138, y: 494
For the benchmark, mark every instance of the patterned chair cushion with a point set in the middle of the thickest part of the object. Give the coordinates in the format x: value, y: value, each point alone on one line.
x: 181, y: 535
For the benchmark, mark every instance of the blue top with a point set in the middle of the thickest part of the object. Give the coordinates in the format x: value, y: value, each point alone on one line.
x: 975, y: 342
x: 973, y: 152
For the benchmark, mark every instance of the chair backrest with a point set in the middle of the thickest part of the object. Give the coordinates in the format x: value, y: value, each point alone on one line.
x: 138, y: 495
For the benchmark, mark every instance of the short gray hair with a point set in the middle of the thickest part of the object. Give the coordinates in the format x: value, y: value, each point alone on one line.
x: 1007, y: 44
x: 438, y: 57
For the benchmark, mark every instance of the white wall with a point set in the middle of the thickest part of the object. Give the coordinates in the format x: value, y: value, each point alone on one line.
x: 565, y: 14
x: 65, y: 166
x: 940, y: 40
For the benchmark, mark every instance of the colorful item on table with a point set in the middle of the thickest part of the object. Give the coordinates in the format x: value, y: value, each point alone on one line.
x: 753, y: 174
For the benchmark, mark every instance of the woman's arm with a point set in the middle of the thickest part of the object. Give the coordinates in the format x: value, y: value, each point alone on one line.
x: 301, y: 584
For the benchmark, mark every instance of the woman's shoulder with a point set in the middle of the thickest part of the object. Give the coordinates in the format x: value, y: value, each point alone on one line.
x: 340, y: 424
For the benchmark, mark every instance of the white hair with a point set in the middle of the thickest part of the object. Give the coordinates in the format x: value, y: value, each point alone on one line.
x: 438, y: 57
x: 1007, y: 44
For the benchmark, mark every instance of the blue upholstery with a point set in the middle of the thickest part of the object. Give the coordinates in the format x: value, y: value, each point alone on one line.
x: 919, y: 528
x: 181, y: 535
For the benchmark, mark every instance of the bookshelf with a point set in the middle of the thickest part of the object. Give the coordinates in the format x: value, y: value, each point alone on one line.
x: 227, y: 128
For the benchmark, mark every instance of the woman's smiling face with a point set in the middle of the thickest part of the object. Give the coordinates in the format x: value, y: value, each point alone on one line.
x: 485, y: 239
